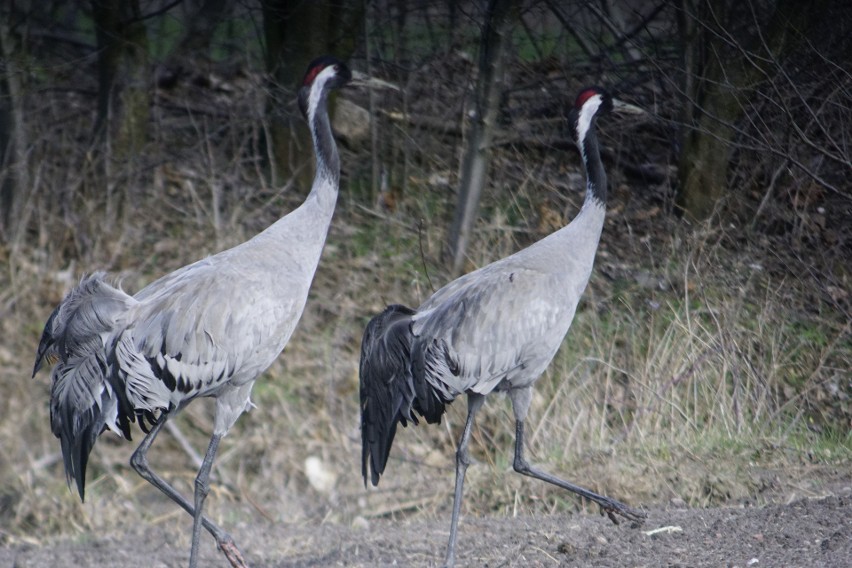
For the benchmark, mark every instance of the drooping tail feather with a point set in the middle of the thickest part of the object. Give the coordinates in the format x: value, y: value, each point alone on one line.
x: 386, y: 386
x: 389, y: 391
x: 82, y: 400
x: 80, y: 403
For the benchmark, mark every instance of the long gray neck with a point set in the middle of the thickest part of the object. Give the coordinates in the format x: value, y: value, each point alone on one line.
x: 595, y: 175
x: 327, y: 176
x: 573, y: 247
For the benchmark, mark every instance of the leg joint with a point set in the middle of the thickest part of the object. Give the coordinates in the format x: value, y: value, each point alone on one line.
x: 202, y: 486
x: 139, y: 461
x: 462, y: 457
x: 521, y: 465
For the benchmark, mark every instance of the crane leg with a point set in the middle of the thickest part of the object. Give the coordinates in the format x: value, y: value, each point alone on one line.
x: 139, y: 462
x: 474, y: 403
x: 609, y: 506
x: 202, y: 488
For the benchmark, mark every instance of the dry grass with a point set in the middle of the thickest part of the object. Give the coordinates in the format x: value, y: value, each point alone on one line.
x: 689, y: 372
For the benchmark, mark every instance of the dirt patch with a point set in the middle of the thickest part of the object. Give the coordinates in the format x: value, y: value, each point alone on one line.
x: 805, y: 532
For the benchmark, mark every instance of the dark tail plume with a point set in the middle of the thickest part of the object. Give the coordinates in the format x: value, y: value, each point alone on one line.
x: 79, y: 401
x: 387, y: 387
x: 82, y: 401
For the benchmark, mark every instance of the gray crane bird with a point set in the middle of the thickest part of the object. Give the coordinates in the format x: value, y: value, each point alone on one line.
x: 208, y: 329
x: 494, y: 329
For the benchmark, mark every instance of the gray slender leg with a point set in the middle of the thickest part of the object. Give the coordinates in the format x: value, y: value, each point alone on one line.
x: 474, y: 403
x: 202, y: 488
x: 609, y: 506
x: 139, y: 462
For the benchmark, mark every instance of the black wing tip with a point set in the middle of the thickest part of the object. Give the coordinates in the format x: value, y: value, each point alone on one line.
x: 81, y: 488
x: 372, y: 478
x: 80, y: 470
x: 376, y: 443
x: 373, y: 465
x: 76, y: 458
x: 382, y: 371
x: 77, y: 433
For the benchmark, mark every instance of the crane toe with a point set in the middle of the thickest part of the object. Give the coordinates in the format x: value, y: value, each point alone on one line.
x: 637, y: 517
x: 231, y: 552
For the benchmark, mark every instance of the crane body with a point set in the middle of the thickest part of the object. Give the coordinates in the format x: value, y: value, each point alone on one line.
x: 208, y: 329
x: 494, y: 329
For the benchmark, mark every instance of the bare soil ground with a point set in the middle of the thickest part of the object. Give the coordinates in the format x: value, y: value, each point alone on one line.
x: 794, y: 531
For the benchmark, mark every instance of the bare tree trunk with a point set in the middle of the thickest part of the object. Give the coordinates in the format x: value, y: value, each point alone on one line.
x: 15, y: 190
x: 718, y: 85
x: 703, y: 165
x: 122, y: 123
x: 711, y: 83
x: 499, y: 19
x: 123, y: 86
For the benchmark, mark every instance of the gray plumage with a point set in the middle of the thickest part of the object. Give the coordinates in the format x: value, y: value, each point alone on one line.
x: 208, y: 329
x: 494, y: 329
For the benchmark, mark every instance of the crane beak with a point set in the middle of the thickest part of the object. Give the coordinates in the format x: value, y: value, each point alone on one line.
x: 626, y: 108
x: 365, y: 81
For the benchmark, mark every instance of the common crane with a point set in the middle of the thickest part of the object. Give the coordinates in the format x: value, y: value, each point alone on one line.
x: 494, y: 329
x: 208, y: 329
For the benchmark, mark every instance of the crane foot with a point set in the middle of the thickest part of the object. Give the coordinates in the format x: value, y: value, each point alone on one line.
x: 616, y: 508
x: 232, y: 553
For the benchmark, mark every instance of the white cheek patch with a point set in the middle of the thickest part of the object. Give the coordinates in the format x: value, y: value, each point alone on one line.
x: 584, y: 120
x: 317, y: 88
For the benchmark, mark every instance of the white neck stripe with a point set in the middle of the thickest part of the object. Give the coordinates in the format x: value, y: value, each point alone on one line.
x: 317, y: 88
x: 584, y: 120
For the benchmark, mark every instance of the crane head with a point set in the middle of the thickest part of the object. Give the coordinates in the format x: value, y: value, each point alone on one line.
x: 324, y: 74
x: 592, y: 102
x: 596, y: 98
x: 339, y: 73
